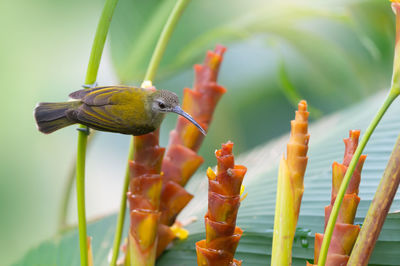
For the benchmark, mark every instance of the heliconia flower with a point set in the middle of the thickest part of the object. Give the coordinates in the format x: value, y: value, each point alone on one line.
x: 290, y: 188
x: 389, y: 183
x: 144, y: 200
x: 224, y: 191
x: 200, y: 102
x: 181, y: 160
x: 344, y: 233
x: 176, y: 196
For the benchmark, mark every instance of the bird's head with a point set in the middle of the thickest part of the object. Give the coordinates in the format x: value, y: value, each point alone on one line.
x: 164, y: 101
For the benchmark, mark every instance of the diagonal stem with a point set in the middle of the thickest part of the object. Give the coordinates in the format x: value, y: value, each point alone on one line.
x: 122, y: 210
x: 91, y: 76
x: 393, y: 93
x: 346, y: 179
x: 377, y: 211
x: 62, y: 220
x: 155, y: 60
x: 166, y: 34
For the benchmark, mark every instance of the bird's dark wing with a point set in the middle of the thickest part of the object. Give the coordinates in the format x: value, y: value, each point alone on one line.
x: 98, y: 95
x: 99, y: 117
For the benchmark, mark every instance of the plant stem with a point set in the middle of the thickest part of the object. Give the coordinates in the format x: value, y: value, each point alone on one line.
x: 346, y: 179
x: 122, y: 210
x: 150, y: 74
x: 150, y: 33
x: 91, y: 75
x: 99, y: 41
x: 65, y: 201
x: 378, y: 210
x: 80, y: 194
x: 62, y: 221
x: 169, y: 27
x: 393, y: 93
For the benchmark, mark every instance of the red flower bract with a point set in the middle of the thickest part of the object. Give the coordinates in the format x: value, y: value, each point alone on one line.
x: 222, y: 235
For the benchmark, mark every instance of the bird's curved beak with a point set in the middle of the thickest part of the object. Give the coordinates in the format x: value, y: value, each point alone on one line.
x: 178, y: 110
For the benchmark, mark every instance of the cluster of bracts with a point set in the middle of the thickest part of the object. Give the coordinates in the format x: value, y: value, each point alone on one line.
x: 158, y: 176
x: 156, y: 192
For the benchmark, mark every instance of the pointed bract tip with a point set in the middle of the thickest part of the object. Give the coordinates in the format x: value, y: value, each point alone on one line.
x: 354, y: 133
x: 220, y: 49
x: 302, y: 105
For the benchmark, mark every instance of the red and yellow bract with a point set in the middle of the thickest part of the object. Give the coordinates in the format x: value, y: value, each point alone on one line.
x: 181, y: 160
x: 344, y: 233
x: 222, y: 234
x: 144, y: 200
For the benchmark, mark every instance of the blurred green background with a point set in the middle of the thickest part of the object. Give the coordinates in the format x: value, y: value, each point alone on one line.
x: 331, y: 53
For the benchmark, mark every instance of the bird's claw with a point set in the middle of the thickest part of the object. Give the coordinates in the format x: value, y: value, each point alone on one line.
x: 89, y: 86
x: 85, y: 130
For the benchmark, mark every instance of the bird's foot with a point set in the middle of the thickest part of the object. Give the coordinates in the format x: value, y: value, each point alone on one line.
x: 89, y: 86
x: 85, y: 130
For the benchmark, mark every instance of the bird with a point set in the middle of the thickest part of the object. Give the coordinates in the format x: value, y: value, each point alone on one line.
x: 120, y: 109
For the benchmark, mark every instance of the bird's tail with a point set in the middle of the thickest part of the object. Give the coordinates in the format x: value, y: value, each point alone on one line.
x: 51, y: 116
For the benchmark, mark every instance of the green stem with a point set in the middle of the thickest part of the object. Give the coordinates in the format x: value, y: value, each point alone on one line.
x: 377, y: 211
x: 155, y: 60
x: 80, y: 194
x: 122, y: 210
x: 346, y: 179
x: 91, y: 75
x: 62, y: 221
x: 164, y: 38
x: 67, y: 193
x: 150, y: 33
x: 99, y: 41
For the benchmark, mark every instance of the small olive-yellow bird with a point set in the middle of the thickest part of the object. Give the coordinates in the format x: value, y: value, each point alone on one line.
x: 122, y: 109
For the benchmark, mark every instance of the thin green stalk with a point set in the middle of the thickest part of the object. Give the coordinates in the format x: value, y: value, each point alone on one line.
x: 346, y: 179
x: 122, y: 210
x: 99, y: 41
x: 159, y: 50
x: 62, y: 221
x: 80, y: 194
x: 164, y: 38
x: 91, y: 76
x: 377, y: 211
x: 65, y: 201
x: 150, y: 33
x: 394, y: 92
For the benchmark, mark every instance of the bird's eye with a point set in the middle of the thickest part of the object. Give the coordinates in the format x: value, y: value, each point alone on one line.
x: 161, y: 105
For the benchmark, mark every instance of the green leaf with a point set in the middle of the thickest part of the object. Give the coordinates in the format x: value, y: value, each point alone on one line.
x: 64, y: 249
x: 257, y: 210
